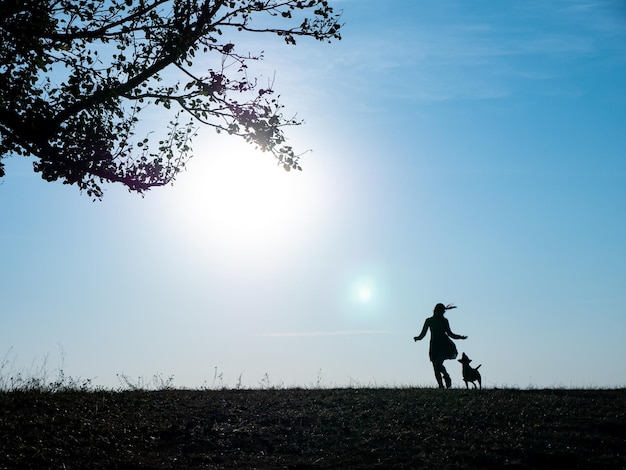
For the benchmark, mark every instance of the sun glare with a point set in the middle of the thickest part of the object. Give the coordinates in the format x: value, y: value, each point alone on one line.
x: 236, y: 202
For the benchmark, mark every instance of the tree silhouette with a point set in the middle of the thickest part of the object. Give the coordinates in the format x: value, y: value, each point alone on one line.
x: 75, y: 76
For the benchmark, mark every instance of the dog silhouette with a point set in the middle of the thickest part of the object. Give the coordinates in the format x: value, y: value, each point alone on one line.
x: 470, y: 374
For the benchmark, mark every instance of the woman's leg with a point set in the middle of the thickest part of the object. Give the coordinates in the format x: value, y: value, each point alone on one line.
x: 446, y: 376
x: 437, y: 366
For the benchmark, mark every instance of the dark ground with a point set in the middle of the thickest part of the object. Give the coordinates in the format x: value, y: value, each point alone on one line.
x: 320, y: 428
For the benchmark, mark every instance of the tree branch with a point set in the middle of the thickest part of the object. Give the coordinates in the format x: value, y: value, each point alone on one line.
x: 187, y: 39
x: 95, y: 33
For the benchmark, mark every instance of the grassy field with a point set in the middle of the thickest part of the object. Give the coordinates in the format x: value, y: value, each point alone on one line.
x: 314, y: 428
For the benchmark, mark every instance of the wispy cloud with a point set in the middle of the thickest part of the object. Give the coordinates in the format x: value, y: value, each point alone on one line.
x: 488, y: 54
x: 328, y: 333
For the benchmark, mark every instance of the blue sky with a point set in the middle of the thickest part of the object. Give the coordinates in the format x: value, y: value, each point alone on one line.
x: 465, y: 152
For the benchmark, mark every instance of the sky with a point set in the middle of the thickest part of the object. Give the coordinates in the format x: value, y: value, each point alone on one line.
x: 461, y: 152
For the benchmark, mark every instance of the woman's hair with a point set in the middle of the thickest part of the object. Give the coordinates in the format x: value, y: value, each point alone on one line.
x: 441, y: 308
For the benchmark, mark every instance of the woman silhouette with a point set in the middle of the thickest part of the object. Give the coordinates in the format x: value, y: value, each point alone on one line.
x: 441, y: 346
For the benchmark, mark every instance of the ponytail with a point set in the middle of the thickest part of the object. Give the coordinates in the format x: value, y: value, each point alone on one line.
x: 441, y: 308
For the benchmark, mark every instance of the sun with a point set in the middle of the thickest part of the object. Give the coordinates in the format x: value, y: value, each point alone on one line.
x: 235, y: 203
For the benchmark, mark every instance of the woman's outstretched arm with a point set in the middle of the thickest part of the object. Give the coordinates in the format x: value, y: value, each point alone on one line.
x: 453, y: 335
x: 423, y: 333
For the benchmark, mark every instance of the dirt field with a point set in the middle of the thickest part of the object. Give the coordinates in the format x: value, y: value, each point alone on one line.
x: 319, y: 428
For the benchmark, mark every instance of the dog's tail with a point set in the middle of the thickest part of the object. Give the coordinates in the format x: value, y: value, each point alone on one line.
x: 478, y: 366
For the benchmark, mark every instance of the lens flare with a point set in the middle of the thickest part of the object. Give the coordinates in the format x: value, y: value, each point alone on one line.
x: 365, y: 294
